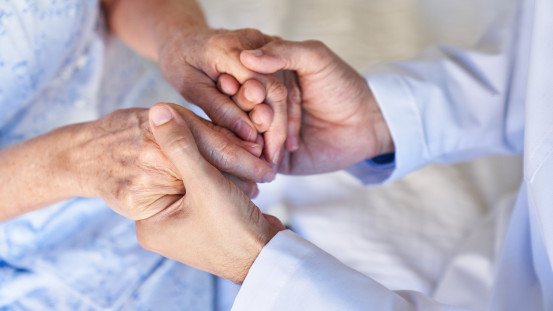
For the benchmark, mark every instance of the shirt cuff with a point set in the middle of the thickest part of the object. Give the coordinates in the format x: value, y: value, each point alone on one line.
x: 402, y: 115
x: 291, y: 273
x: 271, y: 271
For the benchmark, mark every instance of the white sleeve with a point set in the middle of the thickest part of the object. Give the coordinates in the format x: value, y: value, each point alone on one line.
x: 291, y: 274
x: 454, y: 104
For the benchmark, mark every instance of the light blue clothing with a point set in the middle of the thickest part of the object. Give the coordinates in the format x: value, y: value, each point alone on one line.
x: 57, y: 67
x: 450, y: 105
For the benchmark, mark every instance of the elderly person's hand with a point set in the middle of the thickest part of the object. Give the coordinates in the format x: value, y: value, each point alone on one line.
x: 193, y: 62
x: 341, y: 121
x: 212, y: 226
x: 117, y: 158
x: 192, y: 56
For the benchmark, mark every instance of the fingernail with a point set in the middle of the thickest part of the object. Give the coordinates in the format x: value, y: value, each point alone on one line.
x: 276, y: 157
x: 269, y: 177
x: 160, y: 115
x: 256, y: 53
x: 292, y: 144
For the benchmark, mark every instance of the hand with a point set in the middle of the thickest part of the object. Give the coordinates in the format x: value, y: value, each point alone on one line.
x: 193, y: 61
x: 341, y: 121
x: 117, y: 158
x: 214, y: 226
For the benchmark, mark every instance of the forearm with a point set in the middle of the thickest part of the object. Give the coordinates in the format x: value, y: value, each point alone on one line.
x: 145, y: 25
x: 37, y: 173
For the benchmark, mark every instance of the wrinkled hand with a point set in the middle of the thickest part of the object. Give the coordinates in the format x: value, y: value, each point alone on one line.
x: 118, y: 159
x: 213, y: 226
x: 193, y: 61
x: 341, y: 121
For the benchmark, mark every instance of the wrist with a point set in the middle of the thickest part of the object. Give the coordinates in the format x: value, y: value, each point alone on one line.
x: 55, y: 165
x: 75, y: 159
x: 171, y: 34
x: 258, y: 242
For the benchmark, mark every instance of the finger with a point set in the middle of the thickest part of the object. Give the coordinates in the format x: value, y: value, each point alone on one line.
x: 250, y: 94
x: 248, y: 187
x: 219, y: 107
x: 275, y: 136
x: 248, y: 97
x: 262, y: 117
x: 294, y: 111
x: 224, y: 153
x: 228, y: 84
x: 276, y: 97
x: 177, y: 142
x: 255, y: 148
x: 306, y: 57
x: 260, y: 140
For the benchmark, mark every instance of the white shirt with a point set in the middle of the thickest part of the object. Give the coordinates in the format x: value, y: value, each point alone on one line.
x: 450, y: 105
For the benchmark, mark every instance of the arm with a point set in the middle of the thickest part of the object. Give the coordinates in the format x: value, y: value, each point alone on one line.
x: 290, y: 273
x: 117, y: 159
x: 454, y: 104
x: 36, y: 173
x: 145, y: 25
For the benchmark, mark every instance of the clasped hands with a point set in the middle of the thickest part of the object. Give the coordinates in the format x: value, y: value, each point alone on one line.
x: 186, y: 181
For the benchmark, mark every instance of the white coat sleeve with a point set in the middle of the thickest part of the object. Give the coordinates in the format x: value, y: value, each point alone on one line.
x: 292, y: 274
x: 454, y: 104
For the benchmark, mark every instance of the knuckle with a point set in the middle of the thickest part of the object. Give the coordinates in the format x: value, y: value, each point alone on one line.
x: 219, y: 113
x: 253, y: 33
x: 250, y: 31
x: 182, y: 145
x: 226, y: 115
x: 125, y: 119
x: 315, y: 45
x: 277, y: 43
x: 216, y: 39
x: 225, y: 156
x: 318, y: 49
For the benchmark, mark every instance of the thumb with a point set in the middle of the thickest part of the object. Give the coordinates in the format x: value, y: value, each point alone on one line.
x: 177, y: 143
x: 307, y: 57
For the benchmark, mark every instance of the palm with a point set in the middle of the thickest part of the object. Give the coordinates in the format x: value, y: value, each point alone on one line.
x: 336, y: 118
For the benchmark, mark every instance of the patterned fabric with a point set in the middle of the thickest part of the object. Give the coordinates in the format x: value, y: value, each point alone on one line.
x: 78, y: 254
